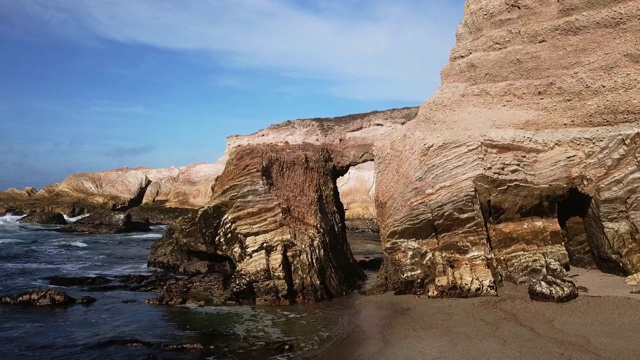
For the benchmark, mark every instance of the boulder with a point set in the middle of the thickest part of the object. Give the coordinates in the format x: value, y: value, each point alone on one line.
x: 551, y: 289
x: 47, y: 218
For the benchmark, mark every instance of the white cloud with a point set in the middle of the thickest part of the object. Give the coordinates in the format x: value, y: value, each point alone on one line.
x: 370, y: 50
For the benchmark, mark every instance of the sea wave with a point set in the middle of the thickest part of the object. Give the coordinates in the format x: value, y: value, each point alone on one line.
x: 74, y: 243
x: 10, y: 219
x: 147, y: 236
x: 10, y: 241
x: 73, y: 219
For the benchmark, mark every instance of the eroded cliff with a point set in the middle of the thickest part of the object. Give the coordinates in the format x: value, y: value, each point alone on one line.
x: 535, y: 123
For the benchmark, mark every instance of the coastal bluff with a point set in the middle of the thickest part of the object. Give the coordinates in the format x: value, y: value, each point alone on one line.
x: 524, y: 163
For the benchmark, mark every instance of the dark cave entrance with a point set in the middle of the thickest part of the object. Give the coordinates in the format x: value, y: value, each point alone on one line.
x: 585, y: 240
x: 356, y: 189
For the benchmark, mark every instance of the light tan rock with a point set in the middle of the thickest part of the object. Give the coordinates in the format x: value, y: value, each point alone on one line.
x: 539, y: 98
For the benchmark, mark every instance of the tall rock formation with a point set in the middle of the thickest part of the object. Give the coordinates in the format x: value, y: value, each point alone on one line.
x: 274, y: 226
x: 535, y: 123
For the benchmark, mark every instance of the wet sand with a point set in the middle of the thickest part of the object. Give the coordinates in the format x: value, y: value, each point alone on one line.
x: 509, y: 326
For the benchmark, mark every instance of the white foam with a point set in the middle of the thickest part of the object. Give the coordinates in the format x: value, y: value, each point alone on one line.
x: 10, y: 241
x: 75, y: 218
x: 147, y: 236
x: 64, y: 267
x: 10, y: 219
x: 76, y: 243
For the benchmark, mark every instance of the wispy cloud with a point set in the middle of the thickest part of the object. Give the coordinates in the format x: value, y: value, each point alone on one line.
x: 129, y: 152
x: 371, y: 50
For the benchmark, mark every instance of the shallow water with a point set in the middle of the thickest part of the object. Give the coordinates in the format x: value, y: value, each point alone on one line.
x: 119, y: 325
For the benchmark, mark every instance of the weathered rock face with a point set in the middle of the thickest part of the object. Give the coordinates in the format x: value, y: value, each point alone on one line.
x: 357, y: 193
x: 186, y: 187
x: 538, y: 103
x: 275, y: 226
x: 349, y: 134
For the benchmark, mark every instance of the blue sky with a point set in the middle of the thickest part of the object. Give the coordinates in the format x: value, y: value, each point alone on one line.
x: 92, y: 85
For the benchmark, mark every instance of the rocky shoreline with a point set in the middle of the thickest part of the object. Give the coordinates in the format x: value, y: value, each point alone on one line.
x: 513, y: 171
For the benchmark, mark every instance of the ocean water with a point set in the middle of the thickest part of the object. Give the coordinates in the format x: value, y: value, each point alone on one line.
x: 120, y: 325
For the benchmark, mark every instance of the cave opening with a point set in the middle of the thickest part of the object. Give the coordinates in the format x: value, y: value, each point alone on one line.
x: 572, y: 211
x: 356, y: 189
x: 585, y: 240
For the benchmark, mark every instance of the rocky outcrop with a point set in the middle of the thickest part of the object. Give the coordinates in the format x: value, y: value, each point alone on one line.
x: 106, y: 222
x: 119, y: 190
x: 274, y: 226
x: 536, y: 105
x: 49, y: 218
x: 39, y: 297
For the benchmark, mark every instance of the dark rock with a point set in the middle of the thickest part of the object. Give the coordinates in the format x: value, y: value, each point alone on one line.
x: 371, y: 264
x: 205, y: 289
x: 39, y: 297
x: 86, y: 300
x: 48, y: 218
x: 3, y: 211
x: 552, y: 289
x: 158, y: 215
x: 106, y: 222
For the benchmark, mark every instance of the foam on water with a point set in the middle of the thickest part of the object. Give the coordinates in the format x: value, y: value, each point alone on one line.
x: 75, y: 218
x: 63, y: 267
x: 147, y: 236
x: 75, y: 243
x: 10, y: 219
x: 10, y: 241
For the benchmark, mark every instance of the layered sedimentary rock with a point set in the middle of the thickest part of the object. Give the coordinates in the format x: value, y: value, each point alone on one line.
x: 119, y: 189
x: 187, y: 187
x: 349, y: 134
x: 274, y: 226
x: 538, y: 103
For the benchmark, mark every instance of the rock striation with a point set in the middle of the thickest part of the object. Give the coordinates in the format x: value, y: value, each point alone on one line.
x: 523, y: 163
x: 274, y: 226
x: 535, y: 124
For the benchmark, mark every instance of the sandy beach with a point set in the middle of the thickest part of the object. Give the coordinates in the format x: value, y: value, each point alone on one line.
x: 509, y: 326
